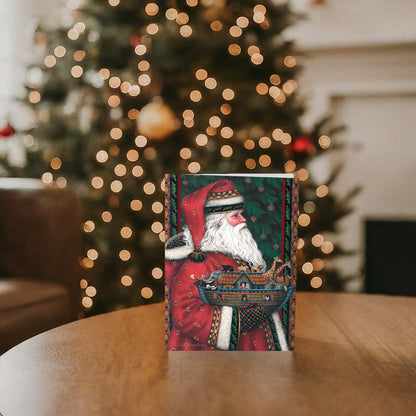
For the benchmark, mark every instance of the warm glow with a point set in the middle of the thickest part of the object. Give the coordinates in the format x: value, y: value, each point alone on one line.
x: 185, y: 31
x: 120, y: 170
x: 116, y: 186
x: 77, y: 71
x: 149, y: 153
x: 304, y: 220
x: 125, y: 87
x: 114, y: 101
x: 151, y: 9
x: 321, y: 191
x: 290, y: 166
x: 61, y: 182
x: 227, y: 132
x: 137, y: 171
x: 47, y: 177
x: 275, y: 79
x: 309, y: 207
x: 210, y: 83
x: 265, y: 160
x: 194, y: 167
x: 316, y: 282
x: 149, y: 188
x: 250, y: 163
x: 143, y: 65
x: 289, y: 61
x: 286, y: 138
x: 324, y: 142
x: 228, y: 94
x: 257, y: 58
x: 113, y: 3
x: 124, y: 255
x: 116, y: 133
x: 132, y: 155
x: 140, y: 141
x: 56, y: 163
x: 182, y: 19
x: 327, y: 247
x: 157, y: 273
x: 157, y: 227
x: 92, y: 254
x: 106, y: 216
x: 144, y: 80
x: 259, y: 17
x: 249, y: 144
x: 136, y: 205
x: 234, y: 49
x: 49, y: 61
x: 126, y: 232
x: 216, y: 25
x: 126, y: 280
x: 201, y: 140
x: 114, y: 82
x: 97, y: 182
x: 225, y: 109
x: 226, y: 151
x: 235, y: 31
x: 104, y: 73
x: 133, y: 114
x: 140, y: 49
x: 318, y: 264
x: 214, y: 121
x: 171, y: 14
x: 188, y: 115
x: 79, y: 55
x: 59, y: 51
x: 34, y: 97
x: 195, y: 96
x: 89, y: 226
x: 157, y: 207
x: 307, y: 268
x: 134, y: 90
x: 242, y: 21
x: 201, y: 74
x: 301, y: 243
x: 265, y: 142
x: 262, y: 88
x: 83, y: 284
x: 101, y: 156
x: 185, y: 153
x: 253, y: 49
x: 303, y: 174
x: 87, y: 302
x: 146, y: 292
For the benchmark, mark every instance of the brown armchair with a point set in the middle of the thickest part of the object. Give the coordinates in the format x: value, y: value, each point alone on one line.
x: 39, y: 259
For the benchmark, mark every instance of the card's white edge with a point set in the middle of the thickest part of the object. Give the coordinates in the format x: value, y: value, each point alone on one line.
x: 264, y: 175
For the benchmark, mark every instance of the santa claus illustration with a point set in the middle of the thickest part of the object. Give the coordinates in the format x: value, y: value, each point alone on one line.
x: 215, y: 237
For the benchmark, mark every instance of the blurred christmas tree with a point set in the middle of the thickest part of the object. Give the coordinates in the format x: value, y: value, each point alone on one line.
x: 129, y: 90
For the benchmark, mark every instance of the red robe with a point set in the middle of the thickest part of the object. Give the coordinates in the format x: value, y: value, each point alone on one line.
x: 200, y: 326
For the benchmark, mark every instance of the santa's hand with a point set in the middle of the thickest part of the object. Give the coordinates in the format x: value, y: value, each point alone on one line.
x: 251, y: 317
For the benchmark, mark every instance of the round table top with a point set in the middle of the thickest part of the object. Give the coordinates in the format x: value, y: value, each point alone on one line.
x: 354, y: 355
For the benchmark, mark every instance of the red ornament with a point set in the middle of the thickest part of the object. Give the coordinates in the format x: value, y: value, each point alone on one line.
x: 135, y: 40
x: 7, y: 131
x: 302, y: 145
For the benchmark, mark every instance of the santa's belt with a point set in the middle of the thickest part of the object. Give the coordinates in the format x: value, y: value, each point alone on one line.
x: 223, y: 208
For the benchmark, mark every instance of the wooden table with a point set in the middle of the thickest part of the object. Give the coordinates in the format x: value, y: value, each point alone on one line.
x: 355, y: 355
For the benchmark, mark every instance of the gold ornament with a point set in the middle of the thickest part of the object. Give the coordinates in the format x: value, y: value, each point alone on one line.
x: 157, y: 121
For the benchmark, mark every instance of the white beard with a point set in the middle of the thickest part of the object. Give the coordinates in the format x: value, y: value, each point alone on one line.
x: 225, y: 238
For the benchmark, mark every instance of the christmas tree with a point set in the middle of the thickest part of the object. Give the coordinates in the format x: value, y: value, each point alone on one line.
x: 126, y: 91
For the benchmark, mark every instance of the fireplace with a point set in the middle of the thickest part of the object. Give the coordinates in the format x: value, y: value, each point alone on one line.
x: 390, y: 257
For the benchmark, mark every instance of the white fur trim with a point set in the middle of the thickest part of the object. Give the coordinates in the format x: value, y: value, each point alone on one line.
x: 280, y: 332
x: 224, y: 331
x: 178, y: 253
x: 224, y: 201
